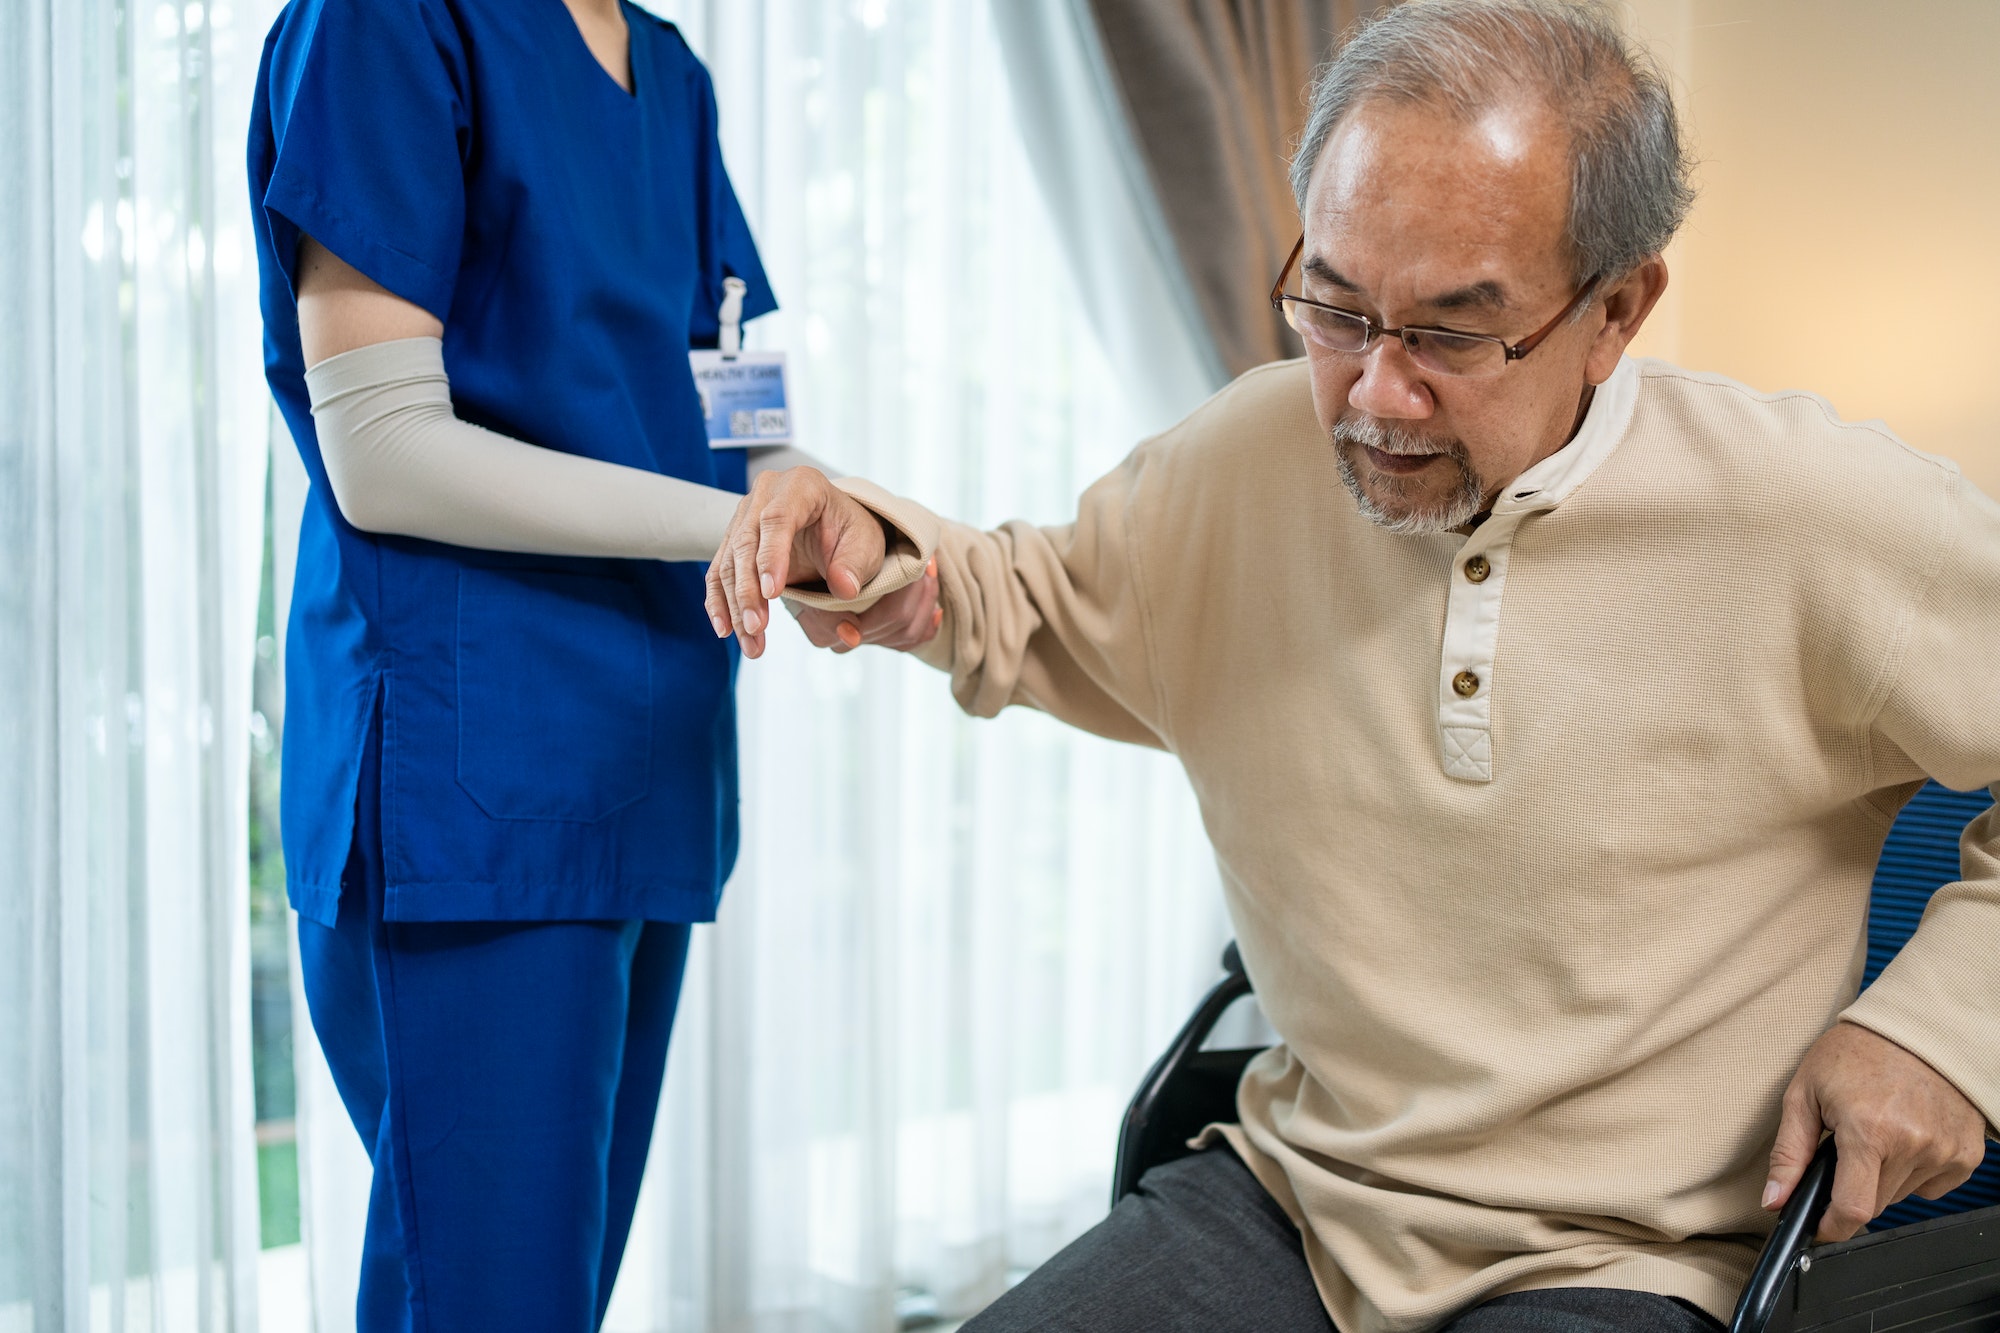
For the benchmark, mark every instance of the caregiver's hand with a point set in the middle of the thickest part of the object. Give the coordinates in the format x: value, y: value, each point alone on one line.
x: 903, y: 620
x: 793, y: 523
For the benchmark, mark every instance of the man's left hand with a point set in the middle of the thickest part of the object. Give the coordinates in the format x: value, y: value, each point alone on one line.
x: 1900, y: 1127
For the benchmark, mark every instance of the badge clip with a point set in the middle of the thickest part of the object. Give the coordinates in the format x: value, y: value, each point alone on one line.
x: 731, y: 315
x: 745, y: 396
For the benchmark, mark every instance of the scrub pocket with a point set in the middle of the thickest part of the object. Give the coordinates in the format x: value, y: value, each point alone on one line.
x: 555, y: 694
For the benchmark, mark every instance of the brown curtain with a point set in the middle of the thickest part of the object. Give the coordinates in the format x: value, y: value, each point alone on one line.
x: 1215, y: 91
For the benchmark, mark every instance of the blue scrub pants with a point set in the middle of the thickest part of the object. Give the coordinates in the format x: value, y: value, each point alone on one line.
x: 504, y: 1076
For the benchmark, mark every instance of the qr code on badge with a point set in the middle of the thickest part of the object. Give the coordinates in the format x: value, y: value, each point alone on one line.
x: 772, y: 421
x: 743, y: 423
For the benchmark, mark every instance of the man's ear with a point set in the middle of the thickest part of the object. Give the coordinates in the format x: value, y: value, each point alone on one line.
x: 1626, y: 305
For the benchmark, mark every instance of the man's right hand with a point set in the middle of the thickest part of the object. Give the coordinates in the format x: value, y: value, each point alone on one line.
x: 791, y: 522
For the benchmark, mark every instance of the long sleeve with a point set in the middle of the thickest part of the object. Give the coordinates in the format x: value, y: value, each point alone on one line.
x: 1940, y: 997
x: 401, y: 461
x: 1054, y: 617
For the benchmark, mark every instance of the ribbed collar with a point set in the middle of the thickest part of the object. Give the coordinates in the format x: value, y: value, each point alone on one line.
x: 1557, y: 477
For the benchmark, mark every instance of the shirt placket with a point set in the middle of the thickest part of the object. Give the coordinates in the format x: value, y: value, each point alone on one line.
x: 1466, y: 673
x: 1466, y: 676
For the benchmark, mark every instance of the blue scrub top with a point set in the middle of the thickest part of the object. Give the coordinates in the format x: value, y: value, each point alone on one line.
x: 558, y: 736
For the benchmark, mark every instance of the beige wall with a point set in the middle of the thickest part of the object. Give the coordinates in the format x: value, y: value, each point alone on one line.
x: 1847, y: 239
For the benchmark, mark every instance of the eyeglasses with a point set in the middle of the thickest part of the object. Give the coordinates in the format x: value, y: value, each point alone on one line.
x: 1445, y: 351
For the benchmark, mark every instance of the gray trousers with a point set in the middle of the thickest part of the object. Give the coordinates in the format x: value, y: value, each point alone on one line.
x: 1202, y: 1248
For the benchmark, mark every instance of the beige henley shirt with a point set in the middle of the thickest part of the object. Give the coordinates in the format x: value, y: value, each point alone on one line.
x: 1548, y: 848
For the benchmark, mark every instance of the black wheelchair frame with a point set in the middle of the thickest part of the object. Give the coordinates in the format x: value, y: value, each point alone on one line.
x: 1927, y: 1277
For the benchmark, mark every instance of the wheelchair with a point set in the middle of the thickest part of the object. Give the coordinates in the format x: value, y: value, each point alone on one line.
x: 1925, y: 1265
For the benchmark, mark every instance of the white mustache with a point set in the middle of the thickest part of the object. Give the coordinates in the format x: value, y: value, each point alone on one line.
x: 1388, y: 440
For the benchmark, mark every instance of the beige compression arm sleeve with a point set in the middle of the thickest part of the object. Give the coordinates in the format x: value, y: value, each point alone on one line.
x: 400, y: 461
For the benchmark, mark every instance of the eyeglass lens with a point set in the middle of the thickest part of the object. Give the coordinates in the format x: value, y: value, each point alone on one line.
x: 1433, y: 349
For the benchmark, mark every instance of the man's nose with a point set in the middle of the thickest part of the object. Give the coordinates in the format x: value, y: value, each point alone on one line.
x: 1389, y: 386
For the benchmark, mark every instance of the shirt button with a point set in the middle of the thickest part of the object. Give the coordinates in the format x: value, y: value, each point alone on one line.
x: 1477, y: 569
x: 1466, y: 684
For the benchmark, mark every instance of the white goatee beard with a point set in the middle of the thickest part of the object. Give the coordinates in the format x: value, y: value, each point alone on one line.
x: 1454, y: 511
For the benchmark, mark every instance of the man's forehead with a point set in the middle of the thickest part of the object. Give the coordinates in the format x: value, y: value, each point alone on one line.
x: 1518, y: 137
x: 1466, y: 212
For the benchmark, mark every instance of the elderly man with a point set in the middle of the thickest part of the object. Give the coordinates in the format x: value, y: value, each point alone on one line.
x: 1546, y: 777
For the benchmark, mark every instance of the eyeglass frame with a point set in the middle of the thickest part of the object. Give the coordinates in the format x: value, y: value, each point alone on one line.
x: 1372, y: 330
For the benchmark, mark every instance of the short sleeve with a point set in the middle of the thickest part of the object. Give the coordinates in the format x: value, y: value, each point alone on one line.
x: 728, y: 249
x: 369, y: 127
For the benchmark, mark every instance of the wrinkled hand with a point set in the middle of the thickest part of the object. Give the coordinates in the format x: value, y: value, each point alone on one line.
x: 1899, y: 1126
x: 793, y: 522
x: 904, y: 620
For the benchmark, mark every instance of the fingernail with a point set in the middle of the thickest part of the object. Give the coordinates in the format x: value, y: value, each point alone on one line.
x: 849, y: 635
x: 721, y: 627
x: 1772, y: 1189
x: 937, y: 617
x: 750, y: 619
x: 769, y: 585
x: 931, y: 568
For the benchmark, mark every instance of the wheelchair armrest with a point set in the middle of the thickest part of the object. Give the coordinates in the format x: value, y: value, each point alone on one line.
x: 1787, y: 1245
x: 1155, y: 1088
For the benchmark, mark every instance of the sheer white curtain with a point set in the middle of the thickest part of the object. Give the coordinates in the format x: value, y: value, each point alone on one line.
x: 132, y: 447
x: 952, y: 946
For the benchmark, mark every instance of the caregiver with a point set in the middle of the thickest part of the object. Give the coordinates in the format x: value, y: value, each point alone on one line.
x: 489, y: 231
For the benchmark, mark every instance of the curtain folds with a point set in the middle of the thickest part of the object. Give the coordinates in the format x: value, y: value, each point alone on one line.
x: 952, y: 946
x: 131, y: 478
x: 1215, y: 93
x: 1123, y: 257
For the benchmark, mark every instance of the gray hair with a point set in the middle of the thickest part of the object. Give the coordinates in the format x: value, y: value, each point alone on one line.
x: 1629, y: 173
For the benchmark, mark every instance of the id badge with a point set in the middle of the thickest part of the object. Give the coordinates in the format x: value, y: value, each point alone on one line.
x: 745, y: 399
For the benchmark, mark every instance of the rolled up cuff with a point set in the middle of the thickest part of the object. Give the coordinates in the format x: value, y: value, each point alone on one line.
x: 913, y: 541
